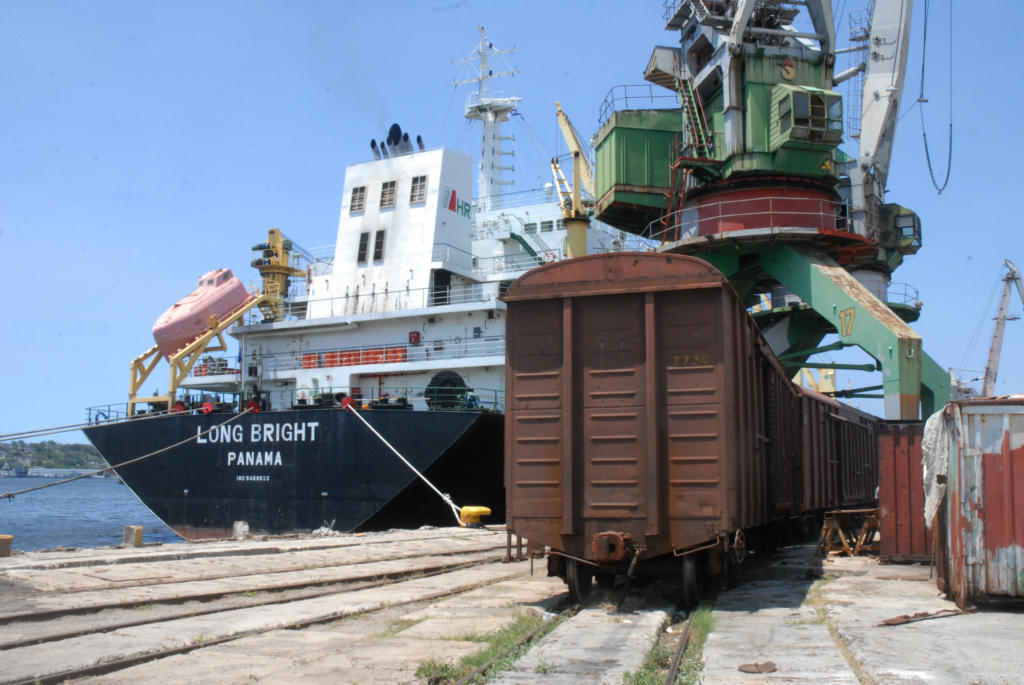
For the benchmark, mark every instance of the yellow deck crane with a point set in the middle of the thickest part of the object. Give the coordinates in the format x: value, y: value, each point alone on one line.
x: 574, y: 209
x: 275, y: 266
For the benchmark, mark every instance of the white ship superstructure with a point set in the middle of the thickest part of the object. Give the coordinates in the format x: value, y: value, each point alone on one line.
x: 401, y: 303
x: 404, y: 310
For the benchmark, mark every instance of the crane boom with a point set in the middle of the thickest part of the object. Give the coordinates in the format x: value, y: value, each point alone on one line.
x: 562, y: 188
x: 884, y: 68
x: 577, y: 150
x: 1013, y: 276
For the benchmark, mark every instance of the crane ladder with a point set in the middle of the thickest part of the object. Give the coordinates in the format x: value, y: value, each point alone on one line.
x: 696, y: 123
x: 680, y: 176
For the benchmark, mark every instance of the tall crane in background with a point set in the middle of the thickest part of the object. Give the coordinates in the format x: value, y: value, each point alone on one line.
x: 746, y: 173
x: 1013, y: 277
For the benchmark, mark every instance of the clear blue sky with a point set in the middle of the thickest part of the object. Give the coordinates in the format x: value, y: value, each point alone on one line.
x: 142, y: 144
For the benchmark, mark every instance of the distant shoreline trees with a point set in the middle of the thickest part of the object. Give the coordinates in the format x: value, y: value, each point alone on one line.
x: 48, y: 454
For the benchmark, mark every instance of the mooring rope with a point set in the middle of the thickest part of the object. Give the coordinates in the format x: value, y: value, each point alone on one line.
x: 12, y: 495
x: 456, y: 509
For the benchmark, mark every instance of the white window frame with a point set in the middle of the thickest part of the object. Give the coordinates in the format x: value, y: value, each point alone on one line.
x: 418, y: 192
x: 388, y: 193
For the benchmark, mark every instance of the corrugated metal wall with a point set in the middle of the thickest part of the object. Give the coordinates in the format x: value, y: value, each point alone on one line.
x: 985, y: 531
x: 901, y: 493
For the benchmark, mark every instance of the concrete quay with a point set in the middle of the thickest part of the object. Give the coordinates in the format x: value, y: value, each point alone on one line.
x: 344, y: 609
x: 817, y: 620
x: 372, y: 608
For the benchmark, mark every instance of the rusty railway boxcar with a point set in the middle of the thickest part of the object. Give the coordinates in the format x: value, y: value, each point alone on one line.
x: 646, y: 416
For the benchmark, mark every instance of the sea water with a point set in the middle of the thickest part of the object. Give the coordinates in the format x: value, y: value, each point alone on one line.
x: 89, y: 512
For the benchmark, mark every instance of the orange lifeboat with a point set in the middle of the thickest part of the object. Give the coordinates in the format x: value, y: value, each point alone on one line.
x: 218, y: 293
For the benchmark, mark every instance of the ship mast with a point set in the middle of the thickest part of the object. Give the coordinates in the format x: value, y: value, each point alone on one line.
x: 493, y: 111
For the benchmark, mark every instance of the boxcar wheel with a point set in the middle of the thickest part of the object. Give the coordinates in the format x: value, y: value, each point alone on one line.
x: 579, y: 578
x: 691, y: 580
x: 738, y: 551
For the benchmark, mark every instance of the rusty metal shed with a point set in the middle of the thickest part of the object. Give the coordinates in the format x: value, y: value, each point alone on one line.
x: 983, y: 541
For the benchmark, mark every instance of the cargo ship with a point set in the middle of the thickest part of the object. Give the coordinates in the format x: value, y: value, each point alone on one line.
x: 402, y: 315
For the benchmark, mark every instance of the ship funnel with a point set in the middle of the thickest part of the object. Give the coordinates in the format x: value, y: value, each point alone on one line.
x: 419, y: 141
x: 406, y: 145
x: 384, y: 149
x: 395, y: 137
x: 373, y: 146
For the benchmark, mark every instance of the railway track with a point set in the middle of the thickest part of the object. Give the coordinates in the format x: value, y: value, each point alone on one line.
x: 175, y: 604
x: 341, y: 610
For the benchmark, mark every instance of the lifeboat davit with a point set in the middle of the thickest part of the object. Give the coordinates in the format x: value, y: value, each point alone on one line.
x: 218, y: 293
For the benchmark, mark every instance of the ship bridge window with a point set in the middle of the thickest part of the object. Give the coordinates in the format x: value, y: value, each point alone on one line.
x: 358, y: 202
x: 418, y: 194
x: 364, y: 243
x: 547, y: 226
x: 387, y: 194
x: 378, y: 246
x: 530, y: 228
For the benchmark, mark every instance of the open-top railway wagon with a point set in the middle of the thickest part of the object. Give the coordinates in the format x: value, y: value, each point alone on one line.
x: 648, y: 421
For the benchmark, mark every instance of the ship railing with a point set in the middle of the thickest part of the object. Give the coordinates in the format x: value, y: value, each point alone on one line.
x: 771, y: 212
x: 515, y: 264
x: 524, y: 198
x: 449, y: 255
x: 626, y: 242
x: 635, y: 96
x: 382, y: 301
x: 106, y: 412
x: 323, y: 253
x: 433, y: 398
x: 395, y: 353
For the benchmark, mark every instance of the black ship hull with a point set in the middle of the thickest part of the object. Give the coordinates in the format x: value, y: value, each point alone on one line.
x: 296, y: 470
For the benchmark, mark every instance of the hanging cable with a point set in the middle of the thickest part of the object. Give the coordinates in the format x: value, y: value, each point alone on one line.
x: 444, y: 124
x: 536, y: 143
x: 922, y: 99
x: 983, y: 316
x: 40, y: 432
x: 11, y: 495
x: 837, y: 19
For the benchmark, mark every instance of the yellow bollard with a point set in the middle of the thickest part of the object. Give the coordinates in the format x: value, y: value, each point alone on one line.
x: 5, y: 545
x: 470, y: 516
